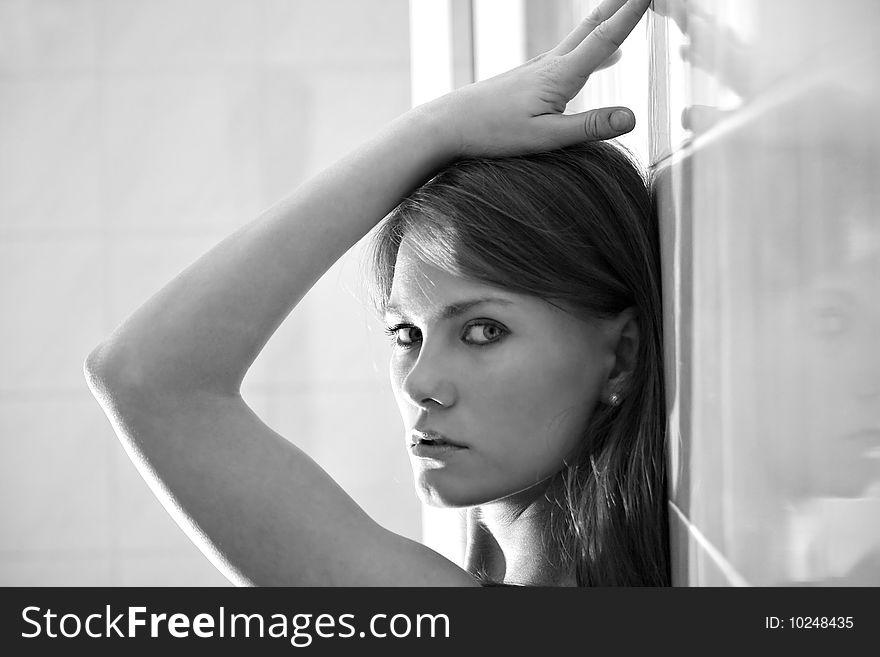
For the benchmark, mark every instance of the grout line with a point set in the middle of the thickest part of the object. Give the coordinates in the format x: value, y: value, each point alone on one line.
x: 48, y: 394
x: 723, y: 564
x: 86, y: 554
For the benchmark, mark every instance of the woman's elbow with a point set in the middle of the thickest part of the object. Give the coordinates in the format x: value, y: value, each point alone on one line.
x: 108, y: 372
x: 95, y: 368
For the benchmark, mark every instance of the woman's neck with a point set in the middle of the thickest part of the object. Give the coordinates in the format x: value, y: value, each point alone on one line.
x: 505, y: 541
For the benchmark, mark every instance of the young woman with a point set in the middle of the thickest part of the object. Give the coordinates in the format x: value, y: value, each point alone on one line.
x: 521, y: 290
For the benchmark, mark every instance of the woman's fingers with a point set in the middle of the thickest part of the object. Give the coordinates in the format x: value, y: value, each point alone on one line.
x: 606, y: 37
x: 611, y: 61
x: 594, y: 125
x: 600, y: 14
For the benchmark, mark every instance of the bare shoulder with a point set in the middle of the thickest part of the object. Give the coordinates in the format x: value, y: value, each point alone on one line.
x: 260, y: 508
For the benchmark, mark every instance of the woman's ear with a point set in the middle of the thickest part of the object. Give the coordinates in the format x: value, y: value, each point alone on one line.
x: 624, y: 341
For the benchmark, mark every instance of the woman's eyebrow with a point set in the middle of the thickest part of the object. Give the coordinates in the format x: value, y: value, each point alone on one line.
x: 454, y: 309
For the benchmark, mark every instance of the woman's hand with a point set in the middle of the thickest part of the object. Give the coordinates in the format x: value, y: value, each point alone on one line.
x: 521, y: 111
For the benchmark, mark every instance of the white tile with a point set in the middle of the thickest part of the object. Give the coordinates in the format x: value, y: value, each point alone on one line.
x: 52, y: 299
x: 175, y: 157
x: 357, y: 437
x: 293, y: 418
x: 285, y: 357
x: 339, y: 302
x: 55, y: 482
x: 310, y: 117
x: 331, y: 338
x: 175, y: 35
x: 57, y: 570
x: 49, y: 36
x: 245, y: 135
x: 169, y: 570
x: 345, y: 33
x: 349, y: 107
x: 50, y: 158
x: 287, y: 111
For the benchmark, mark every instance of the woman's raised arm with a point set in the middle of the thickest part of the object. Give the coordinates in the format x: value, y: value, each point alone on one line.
x: 169, y: 376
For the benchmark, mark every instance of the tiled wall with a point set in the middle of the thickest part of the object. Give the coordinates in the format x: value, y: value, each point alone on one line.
x: 766, y: 148
x: 133, y: 136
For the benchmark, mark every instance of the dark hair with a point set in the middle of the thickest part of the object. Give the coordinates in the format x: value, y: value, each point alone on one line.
x: 576, y: 228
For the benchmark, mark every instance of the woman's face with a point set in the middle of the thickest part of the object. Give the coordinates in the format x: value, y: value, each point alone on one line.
x: 503, y: 382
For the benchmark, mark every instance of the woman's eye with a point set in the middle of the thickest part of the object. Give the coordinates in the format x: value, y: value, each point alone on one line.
x: 483, y: 333
x: 404, y: 336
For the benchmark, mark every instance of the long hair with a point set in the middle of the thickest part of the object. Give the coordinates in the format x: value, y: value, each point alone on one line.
x: 574, y: 227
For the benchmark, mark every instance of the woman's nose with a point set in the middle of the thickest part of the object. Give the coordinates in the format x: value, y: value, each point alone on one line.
x: 429, y: 384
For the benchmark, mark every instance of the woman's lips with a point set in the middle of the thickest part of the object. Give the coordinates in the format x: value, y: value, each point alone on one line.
x: 439, y: 451
x: 432, y: 444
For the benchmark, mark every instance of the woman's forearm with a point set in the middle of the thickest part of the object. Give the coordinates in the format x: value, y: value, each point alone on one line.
x: 205, y: 328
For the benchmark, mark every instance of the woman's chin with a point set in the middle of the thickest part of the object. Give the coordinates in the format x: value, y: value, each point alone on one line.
x: 445, y: 495
x: 437, y: 489
x: 443, y: 499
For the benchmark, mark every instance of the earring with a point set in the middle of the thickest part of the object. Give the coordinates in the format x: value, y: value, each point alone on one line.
x: 614, y: 399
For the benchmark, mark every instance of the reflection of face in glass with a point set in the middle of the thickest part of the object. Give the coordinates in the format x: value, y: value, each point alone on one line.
x: 831, y: 394
x: 512, y: 379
